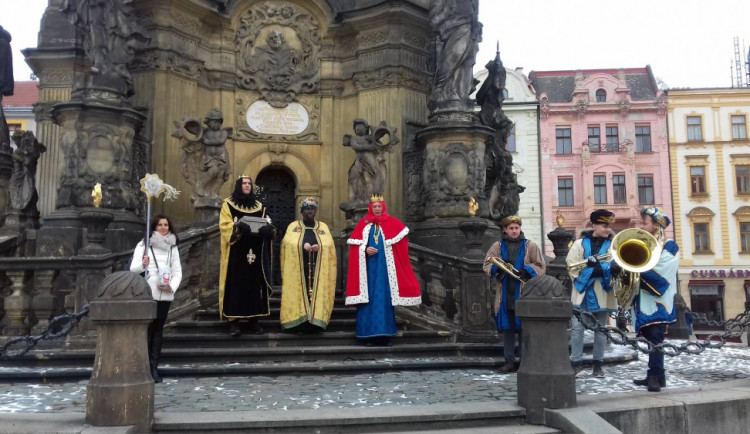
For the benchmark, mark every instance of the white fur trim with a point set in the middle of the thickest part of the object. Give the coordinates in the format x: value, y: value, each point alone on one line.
x: 353, y: 242
x: 398, y: 237
x: 364, y: 294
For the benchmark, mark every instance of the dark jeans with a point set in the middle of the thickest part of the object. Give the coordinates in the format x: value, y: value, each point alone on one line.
x: 655, y: 335
x: 156, y: 329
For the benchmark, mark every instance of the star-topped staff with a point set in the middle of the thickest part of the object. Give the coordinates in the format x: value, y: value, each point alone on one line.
x: 153, y: 186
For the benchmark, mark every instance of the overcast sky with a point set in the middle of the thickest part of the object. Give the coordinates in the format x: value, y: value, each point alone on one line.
x: 688, y: 43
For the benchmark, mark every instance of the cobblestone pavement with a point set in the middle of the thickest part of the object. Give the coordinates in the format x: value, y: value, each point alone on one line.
x: 182, y: 394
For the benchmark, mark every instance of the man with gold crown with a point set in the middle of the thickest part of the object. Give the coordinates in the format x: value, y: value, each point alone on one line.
x: 526, y: 257
x: 246, y: 252
x: 308, y: 272
x: 380, y: 274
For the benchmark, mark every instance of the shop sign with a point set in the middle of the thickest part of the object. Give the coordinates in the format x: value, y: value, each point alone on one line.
x: 720, y: 274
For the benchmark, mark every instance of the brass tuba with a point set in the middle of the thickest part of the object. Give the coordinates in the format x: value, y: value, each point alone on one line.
x: 635, y: 251
x: 509, y: 269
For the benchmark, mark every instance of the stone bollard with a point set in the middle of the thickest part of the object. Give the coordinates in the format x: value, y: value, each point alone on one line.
x: 121, y: 390
x: 545, y: 378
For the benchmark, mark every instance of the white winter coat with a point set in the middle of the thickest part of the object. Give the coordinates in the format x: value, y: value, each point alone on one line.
x: 162, y: 255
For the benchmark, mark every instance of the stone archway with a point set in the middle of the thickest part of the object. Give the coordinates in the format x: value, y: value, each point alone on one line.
x: 279, y: 195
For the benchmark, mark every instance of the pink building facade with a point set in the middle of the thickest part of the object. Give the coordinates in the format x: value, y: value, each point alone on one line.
x: 604, y: 144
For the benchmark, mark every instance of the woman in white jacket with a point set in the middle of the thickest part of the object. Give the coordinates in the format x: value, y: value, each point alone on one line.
x: 164, y: 274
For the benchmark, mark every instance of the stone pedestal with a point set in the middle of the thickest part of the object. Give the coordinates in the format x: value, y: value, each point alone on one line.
x: 207, y: 210
x: 17, y: 304
x: 474, y: 229
x: 545, y: 378
x: 121, y: 390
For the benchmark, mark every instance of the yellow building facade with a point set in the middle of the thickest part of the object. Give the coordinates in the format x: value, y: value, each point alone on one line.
x: 710, y: 165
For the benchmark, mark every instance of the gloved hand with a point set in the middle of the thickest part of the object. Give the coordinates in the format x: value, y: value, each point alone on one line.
x: 267, y: 232
x: 591, y: 261
x: 524, y: 275
x: 244, y: 229
x: 614, y: 268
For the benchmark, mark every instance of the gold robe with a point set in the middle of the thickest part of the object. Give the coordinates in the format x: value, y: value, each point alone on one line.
x: 297, y: 305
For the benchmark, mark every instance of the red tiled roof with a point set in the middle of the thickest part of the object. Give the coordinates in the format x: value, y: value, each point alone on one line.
x: 25, y: 94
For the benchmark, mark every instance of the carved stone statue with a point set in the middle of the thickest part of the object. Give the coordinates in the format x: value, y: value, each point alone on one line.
x: 368, y: 173
x: 278, y: 46
x: 205, y: 160
x: 111, y: 34
x: 457, y: 33
x: 6, y: 84
x: 23, y: 194
x: 501, y: 184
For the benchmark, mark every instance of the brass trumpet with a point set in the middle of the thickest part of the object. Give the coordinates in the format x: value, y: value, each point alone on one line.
x: 509, y: 269
x: 578, y: 266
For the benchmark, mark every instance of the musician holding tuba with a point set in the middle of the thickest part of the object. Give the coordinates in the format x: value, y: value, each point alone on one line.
x: 592, y: 290
x: 653, y: 307
x: 510, y: 261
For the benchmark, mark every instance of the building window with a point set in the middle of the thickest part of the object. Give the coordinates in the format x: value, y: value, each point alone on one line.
x: 742, y: 173
x: 642, y: 138
x: 511, y: 146
x: 505, y: 93
x: 707, y: 298
x: 695, y: 134
x: 594, y: 139
x: 738, y: 127
x: 564, y: 143
x: 601, y: 95
x: 745, y: 237
x: 700, y: 233
x: 697, y: 180
x: 565, y: 191
x: 618, y: 188
x: 646, y: 189
x: 600, y: 189
x: 613, y: 139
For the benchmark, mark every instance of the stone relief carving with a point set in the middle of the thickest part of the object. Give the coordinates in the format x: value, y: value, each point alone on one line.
x: 450, y: 175
x: 624, y: 105
x: 371, y: 39
x: 368, y: 173
x: 663, y: 104
x: 104, y: 153
x: 205, y: 161
x: 278, y: 153
x: 310, y: 135
x: 544, y: 106
x: 390, y: 76
x: 168, y: 60
x: 278, y: 47
x: 110, y: 34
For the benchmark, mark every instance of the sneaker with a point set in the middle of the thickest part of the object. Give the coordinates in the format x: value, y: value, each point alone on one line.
x: 598, y: 372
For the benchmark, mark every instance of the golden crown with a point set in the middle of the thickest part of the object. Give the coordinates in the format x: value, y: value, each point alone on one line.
x: 245, y: 176
x: 376, y: 198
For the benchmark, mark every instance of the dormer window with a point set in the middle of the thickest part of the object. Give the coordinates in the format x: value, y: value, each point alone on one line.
x: 601, y: 95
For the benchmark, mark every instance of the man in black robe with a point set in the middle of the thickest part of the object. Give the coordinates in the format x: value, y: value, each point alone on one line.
x: 245, y: 279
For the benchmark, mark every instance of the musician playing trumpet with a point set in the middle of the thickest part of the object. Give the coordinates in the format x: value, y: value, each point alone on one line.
x: 653, y: 307
x: 592, y: 290
x: 523, y: 260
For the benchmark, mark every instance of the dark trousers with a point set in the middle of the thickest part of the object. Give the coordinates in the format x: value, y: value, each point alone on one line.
x: 156, y: 330
x: 655, y: 335
x: 509, y: 338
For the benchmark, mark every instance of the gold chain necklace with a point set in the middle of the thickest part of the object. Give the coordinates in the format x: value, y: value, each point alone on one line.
x: 376, y: 235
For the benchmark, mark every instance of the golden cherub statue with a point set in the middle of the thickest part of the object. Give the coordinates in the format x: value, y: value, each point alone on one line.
x: 96, y: 194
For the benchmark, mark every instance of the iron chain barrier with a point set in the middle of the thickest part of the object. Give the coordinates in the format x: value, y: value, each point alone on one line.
x: 59, y: 327
x: 733, y: 328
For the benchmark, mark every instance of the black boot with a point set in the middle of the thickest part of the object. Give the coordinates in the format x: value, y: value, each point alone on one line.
x: 154, y: 354
x: 653, y: 384
x: 644, y: 382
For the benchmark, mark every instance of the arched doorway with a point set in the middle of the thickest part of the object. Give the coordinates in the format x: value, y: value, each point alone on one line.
x: 278, y: 195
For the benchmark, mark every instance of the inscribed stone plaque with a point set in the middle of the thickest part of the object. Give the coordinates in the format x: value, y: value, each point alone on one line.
x: 100, y: 155
x: 292, y: 119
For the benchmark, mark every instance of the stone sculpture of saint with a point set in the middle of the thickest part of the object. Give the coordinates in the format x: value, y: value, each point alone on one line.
x: 368, y: 172
x: 23, y: 194
x: 6, y: 84
x: 275, y: 65
x: 205, y: 160
x: 111, y: 34
x: 457, y: 33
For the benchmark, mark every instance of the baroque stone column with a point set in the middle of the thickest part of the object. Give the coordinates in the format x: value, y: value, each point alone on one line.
x: 121, y: 390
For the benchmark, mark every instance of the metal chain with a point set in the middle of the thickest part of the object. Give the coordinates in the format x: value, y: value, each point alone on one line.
x: 59, y: 327
x: 732, y: 329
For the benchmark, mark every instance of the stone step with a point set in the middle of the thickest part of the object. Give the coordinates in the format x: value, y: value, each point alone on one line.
x: 339, y: 312
x: 481, y: 417
x: 268, y: 368
x: 269, y: 324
